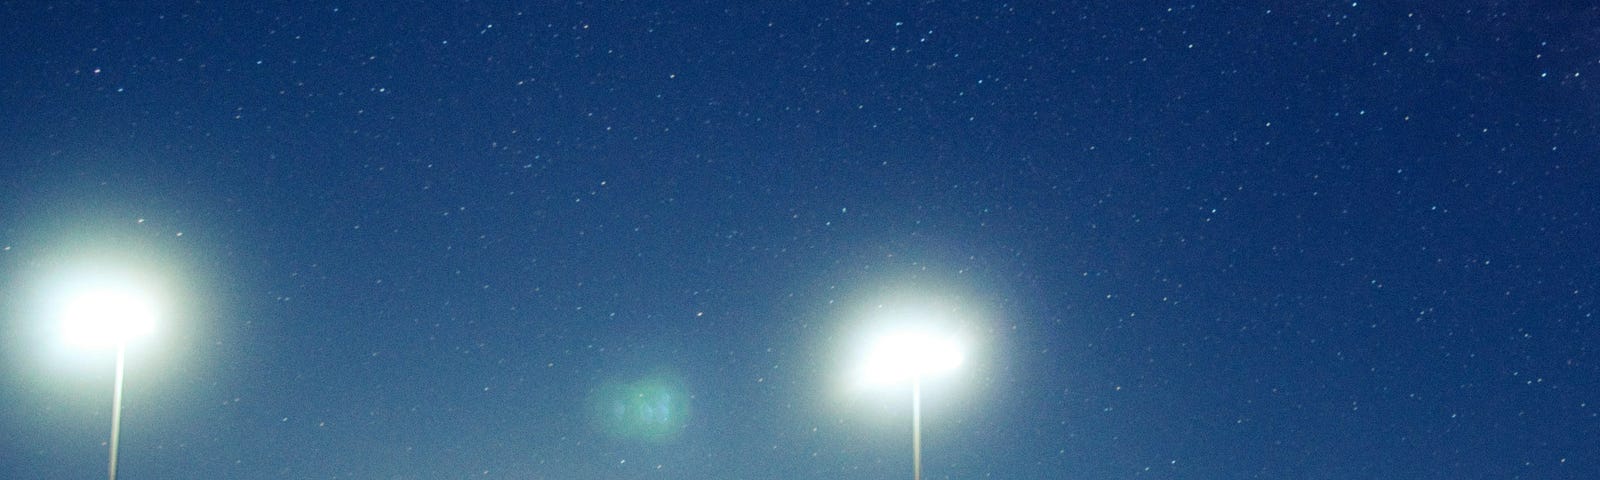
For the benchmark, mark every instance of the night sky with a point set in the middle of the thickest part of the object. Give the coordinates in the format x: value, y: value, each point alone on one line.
x: 647, y: 240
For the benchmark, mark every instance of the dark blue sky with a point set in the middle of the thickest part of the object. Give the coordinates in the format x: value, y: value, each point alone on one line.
x: 454, y: 239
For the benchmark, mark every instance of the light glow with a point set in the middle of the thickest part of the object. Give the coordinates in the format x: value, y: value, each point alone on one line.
x: 900, y: 356
x: 105, y: 315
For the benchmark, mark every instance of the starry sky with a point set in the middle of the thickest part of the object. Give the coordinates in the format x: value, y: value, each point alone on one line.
x: 646, y: 240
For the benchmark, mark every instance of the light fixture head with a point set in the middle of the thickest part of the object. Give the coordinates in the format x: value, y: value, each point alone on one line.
x: 904, y: 355
x: 103, y: 314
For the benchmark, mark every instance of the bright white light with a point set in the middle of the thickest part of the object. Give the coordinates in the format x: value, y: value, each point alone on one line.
x: 900, y: 356
x: 102, y: 316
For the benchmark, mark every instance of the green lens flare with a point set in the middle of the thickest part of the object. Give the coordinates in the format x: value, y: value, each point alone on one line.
x: 648, y: 409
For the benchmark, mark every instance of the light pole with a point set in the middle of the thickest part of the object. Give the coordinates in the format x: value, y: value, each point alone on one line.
x: 916, y: 427
x: 98, y: 316
x: 914, y: 354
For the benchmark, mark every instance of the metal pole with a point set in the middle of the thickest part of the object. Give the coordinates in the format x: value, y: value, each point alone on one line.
x: 916, y: 428
x: 116, y: 413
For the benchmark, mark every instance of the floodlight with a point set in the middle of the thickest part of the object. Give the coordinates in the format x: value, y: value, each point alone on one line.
x: 101, y: 313
x: 911, y: 355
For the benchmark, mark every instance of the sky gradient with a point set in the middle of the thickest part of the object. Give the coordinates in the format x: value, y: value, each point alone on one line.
x: 636, y: 240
